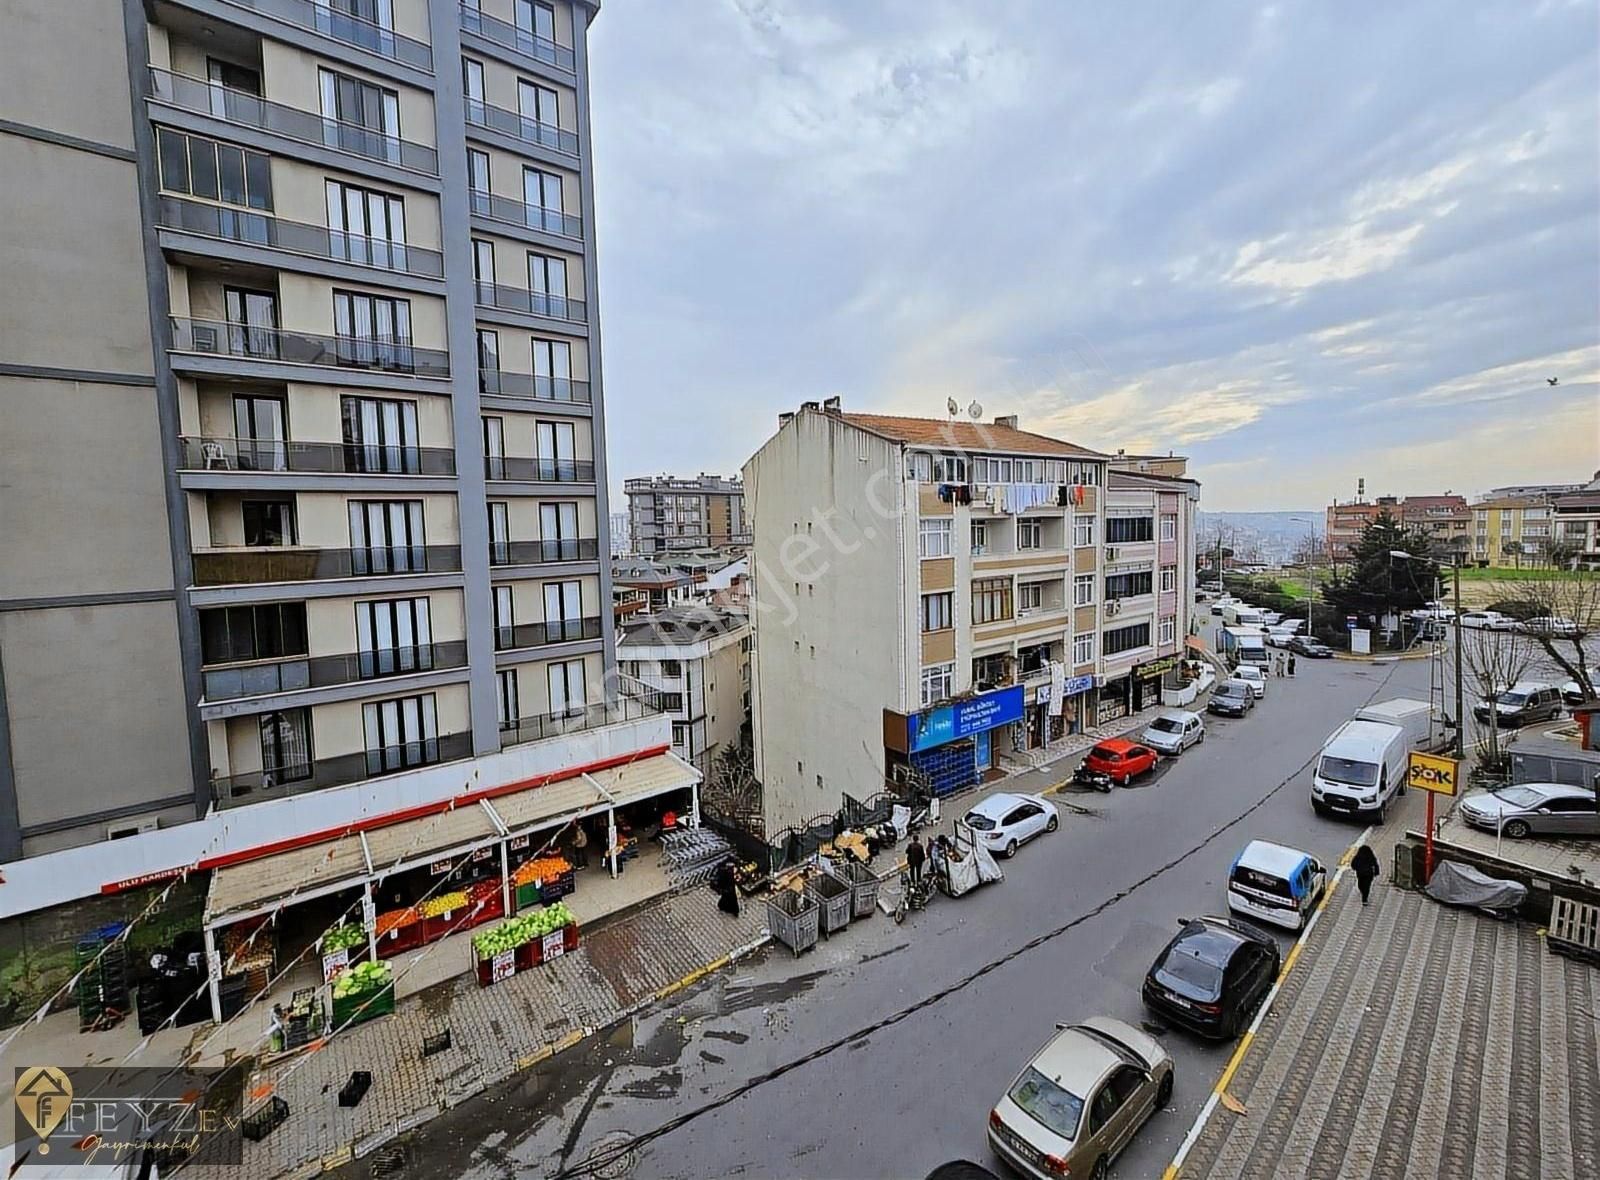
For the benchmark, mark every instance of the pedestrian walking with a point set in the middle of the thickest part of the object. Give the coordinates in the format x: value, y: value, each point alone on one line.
x: 1365, y: 865
x: 727, y: 889
x: 916, y: 854
x: 1291, y: 665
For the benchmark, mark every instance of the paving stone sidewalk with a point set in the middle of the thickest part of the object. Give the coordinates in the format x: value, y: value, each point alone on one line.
x: 1415, y: 1041
x: 619, y: 967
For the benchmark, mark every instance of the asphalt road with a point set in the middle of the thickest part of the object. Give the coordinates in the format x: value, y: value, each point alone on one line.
x: 880, y: 1053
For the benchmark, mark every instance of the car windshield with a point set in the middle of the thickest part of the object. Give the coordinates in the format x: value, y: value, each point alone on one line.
x: 1049, y: 1104
x: 980, y: 823
x: 1519, y: 796
x: 1166, y: 725
x: 1190, y: 974
x: 1512, y: 698
x: 1231, y: 690
x: 1348, y: 771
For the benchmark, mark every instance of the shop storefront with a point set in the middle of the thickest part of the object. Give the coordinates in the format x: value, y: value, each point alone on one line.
x: 1072, y: 716
x: 954, y: 745
x: 1145, y: 681
x: 1112, y: 701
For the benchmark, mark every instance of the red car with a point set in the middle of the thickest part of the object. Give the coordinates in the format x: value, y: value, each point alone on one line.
x: 1121, y: 759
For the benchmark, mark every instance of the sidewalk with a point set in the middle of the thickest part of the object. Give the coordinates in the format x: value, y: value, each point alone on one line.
x: 1418, y: 1041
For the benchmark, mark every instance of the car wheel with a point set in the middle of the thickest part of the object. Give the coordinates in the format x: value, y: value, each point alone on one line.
x: 1011, y: 849
x: 1101, y: 1169
x: 1517, y: 829
x: 1164, y: 1092
x: 1052, y: 823
x: 1201, y: 740
x: 1319, y: 808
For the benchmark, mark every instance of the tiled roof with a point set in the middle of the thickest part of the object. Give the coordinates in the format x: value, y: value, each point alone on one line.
x: 967, y: 436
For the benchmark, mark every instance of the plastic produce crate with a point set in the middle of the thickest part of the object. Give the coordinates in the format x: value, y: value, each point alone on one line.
x: 350, y: 1009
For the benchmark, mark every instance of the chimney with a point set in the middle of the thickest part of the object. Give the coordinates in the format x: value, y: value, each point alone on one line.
x: 785, y: 418
x: 814, y: 407
x: 1008, y: 421
x: 831, y: 405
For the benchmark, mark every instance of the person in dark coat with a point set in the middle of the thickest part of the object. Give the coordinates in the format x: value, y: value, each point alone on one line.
x: 1365, y: 865
x: 1291, y: 665
x: 915, y: 856
x: 727, y: 889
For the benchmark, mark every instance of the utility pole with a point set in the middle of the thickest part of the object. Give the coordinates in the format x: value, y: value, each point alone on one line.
x: 1461, y: 722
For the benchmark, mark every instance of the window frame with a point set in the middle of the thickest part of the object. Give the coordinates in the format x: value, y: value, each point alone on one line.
x: 939, y: 607
x: 934, y: 537
x: 934, y: 675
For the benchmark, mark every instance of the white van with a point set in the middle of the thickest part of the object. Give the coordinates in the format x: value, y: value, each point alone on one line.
x: 1241, y: 614
x: 1276, y: 884
x: 1360, y: 769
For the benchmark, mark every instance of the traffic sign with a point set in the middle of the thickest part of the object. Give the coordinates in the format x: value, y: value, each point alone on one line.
x: 1349, y: 622
x: 1430, y: 772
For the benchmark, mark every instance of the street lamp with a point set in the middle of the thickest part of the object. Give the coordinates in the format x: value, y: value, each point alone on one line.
x: 1311, y: 568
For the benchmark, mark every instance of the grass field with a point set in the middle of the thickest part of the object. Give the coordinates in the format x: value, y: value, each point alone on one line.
x: 1479, y: 587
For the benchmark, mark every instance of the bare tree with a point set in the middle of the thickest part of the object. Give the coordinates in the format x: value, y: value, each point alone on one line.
x: 1568, y: 603
x: 1491, y: 662
x: 731, y: 790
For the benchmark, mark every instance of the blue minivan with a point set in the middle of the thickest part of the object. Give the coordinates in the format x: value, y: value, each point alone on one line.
x: 1276, y: 884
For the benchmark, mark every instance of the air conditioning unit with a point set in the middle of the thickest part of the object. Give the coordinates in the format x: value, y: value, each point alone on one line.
x: 1111, y: 553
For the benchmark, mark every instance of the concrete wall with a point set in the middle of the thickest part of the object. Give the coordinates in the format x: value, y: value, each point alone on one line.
x: 65, y: 69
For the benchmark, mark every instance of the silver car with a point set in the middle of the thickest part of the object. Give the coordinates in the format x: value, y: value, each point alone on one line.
x: 1527, y: 809
x: 1174, y: 731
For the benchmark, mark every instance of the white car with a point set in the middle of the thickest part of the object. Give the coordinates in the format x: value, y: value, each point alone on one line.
x: 1005, y: 821
x: 1271, y: 617
x: 1434, y: 610
x: 1279, y: 636
x: 1254, y: 677
x: 1550, y: 625
x: 1487, y: 620
x: 1174, y: 731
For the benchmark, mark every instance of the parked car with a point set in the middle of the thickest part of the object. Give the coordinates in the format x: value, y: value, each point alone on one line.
x: 1270, y: 618
x: 1121, y: 759
x: 1210, y: 978
x: 1487, y: 620
x: 1078, y: 1103
x: 1549, y: 625
x: 1572, y: 694
x: 1235, y: 698
x: 1280, y: 637
x: 961, y: 1170
x: 1276, y: 884
x: 1311, y: 647
x: 1521, y: 704
x: 1005, y: 821
x: 1175, y: 731
x: 1527, y: 809
x: 1255, y: 677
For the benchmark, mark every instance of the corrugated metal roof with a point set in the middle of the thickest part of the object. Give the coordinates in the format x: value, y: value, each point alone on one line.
x: 416, y: 838
x: 256, y: 883
x: 645, y: 778
x: 967, y: 436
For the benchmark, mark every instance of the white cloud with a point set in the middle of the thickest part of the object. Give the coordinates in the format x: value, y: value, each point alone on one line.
x: 1292, y: 262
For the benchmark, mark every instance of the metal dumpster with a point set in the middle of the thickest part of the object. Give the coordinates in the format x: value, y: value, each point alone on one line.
x: 833, y: 897
x: 793, y: 919
x: 863, y: 884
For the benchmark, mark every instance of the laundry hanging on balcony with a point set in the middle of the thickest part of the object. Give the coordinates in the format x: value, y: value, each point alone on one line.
x: 1022, y: 496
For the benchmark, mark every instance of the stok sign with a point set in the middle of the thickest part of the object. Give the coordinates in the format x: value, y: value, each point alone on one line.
x: 1429, y: 772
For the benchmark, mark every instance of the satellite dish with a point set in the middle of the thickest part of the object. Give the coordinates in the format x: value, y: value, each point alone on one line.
x: 975, y: 411
x: 953, y: 406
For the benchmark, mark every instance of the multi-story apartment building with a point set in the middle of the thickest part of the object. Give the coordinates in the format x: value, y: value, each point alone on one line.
x: 302, y: 418
x: 1446, y: 519
x: 1577, y: 521
x: 1512, y: 530
x: 928, y: 595
x: 1345, y: 522
x: 668, y: 513
x: 697, y: 658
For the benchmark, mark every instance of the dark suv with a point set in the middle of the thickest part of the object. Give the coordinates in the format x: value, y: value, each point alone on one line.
x: 1211, y: 977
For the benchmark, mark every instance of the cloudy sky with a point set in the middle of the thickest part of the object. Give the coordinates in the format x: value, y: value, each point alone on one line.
x: 1300, y: 243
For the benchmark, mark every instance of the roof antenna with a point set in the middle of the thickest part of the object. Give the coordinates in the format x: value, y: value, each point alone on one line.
x: 953, y: 406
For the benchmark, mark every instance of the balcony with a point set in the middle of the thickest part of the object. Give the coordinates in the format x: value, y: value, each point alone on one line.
x: 264, y: 229
x: 387, y: 354
x: 237, y: 790
x: 320, y: 17
x: 538, y: 470
x: 543, y: 552
x: 520, y: 126
x: 505, y: 383
x: 248, y: 110
x: 291, y: 674
x: 508, y: 35
x: 543, y: 634
x: 242, y: 566
x: 555, y: 307
x: 631, y: 705
x: 251, y: 454
x: 511, y: 211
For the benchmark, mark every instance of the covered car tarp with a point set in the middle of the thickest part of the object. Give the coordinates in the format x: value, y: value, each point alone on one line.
x: 1459, y: 884
x: 969, y: 865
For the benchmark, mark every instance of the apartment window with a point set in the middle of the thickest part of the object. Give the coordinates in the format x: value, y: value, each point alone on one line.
x: 558, y: 531
x: 1169, y: 526
x: 1083, y: 648
x: 991, y: 600
x: 933, y: 537
x: 1125, y: 530
x: 380, y: 436
x: 1082, y: 531
x: 1121, y: 639
x: 488, y: 361
x: 200, y: 167
x: 541, y: 199
x: 536, y: 21
x: 991, y: 670
x: 938, y: 682
x: 556, y: 446
x: 224, y: 77
x: 472, y: 89
x: 568, y: 695
x: 563, y: 611
x: 671, y: 669
x: 366, y: 226
x: 552, y: 369
x: 260, y: 432
x: 268, y: 522
x: 252, y: 322
x: 1169, y: 630
x: 494, y: 447
x: 1169, y: 578
x: 1083, y: 590
x: 980, y: 536
x: 506, y: 706
x: 949, y: 469
x: 499, y: 532
x: 547, y: 283
x: 373, y: 330
x: 504, y: 618
x: 938, y: 611
x: 540, y: 108
x: 269, y: 631
x: 386, y: 537
x: 1030, y: 534
x: 478, y: 178
x: 483, y: 271
x: 1030, y: 596
x: 1128, y: 585
x: 401, y: 733
x: 359, y: 117
x: 1033, y: 658
x: 392, y: 636
x: 285, y: 746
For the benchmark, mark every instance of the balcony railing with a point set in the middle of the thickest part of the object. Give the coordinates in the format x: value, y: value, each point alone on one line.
x: 297, y: 672
x: 321, y: 17
x: 543, y: 634
x: 555, y: 307
x: 543, y: 552
x: 265, y: 229
x: 242, y: 566
x: 515, y: 212
x: 538, y: 470
x: 548, y: 389
x: 549, y: 725
x: 390, y: 354
x: 239, y: 789
x: 253, y: 454
x: 492, y: 28
x: 520, y: 126
x: 248, y: 110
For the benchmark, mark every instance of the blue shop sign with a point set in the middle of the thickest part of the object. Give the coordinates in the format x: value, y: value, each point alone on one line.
x: 950, y: 723
x: 1076, y: 685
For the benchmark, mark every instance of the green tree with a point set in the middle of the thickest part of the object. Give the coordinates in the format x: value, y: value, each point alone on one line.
x: 1390, y: 569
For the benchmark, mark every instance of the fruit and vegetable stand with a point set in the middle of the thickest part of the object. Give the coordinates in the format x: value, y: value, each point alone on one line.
x: 543, y: 879
x: 362, y: 993
x: 524, y: 942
